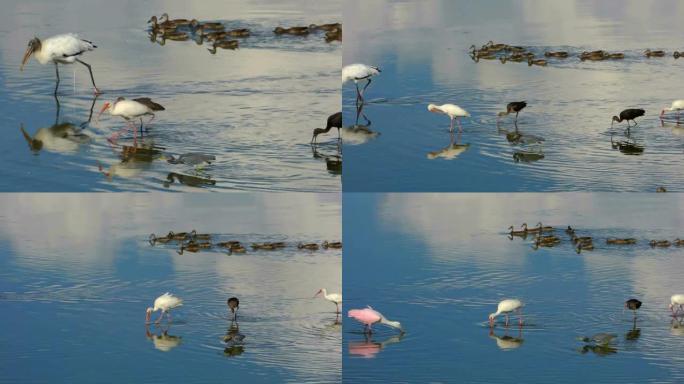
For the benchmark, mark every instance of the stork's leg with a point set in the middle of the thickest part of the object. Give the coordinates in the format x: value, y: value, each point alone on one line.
x: 92, y: 79
x: 366, y: 86
x: 57, y: 73
x: 359, y: 97
x: 460, y: 128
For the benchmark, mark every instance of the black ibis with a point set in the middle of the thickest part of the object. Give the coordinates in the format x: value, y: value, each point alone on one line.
x: 334, y: 121
x: 633, y: 305
x: 515, y: 106
x: 628, y: 114
x: 233, y: 304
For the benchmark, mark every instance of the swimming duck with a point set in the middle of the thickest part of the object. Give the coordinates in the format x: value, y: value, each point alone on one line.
x: 495, y: 46
x: 661, y: 189
x: 325, y: 27
x: 548, y: 239
x: 612, y: 240
x: 299, y: 31
x: 309, y: 246
x: 677, y: 54
x: 206, y: 26
x: 513, y: 232
x: 264, y: 246
x: 514, y: 48
x: 582, y: 239
x: 228, y: 244
x: 334, y: 35
x: 199, y: 236
x: 175, y: 36
x: 160, y: 27
x: 333, y: 245
x: 238, y: 248
x: 593, y: 55
x: 163, y: 240
x: 241, y: 32
x: 546, y: 244
x: 190, y: 247
x: 540, y: 62
x: 615, y: 56
x: 569, y: 230
x: 178, y: 236
x: 599, y: 338
x: 649, y: 53
x: 224, y: 44
x: 659, y: 243
x: 165, y: 16
x: 559, y: 54
x: 678, y: 242
x: 584, y: 246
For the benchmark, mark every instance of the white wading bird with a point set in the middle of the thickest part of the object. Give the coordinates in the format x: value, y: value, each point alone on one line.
x: 357, y: 72
x: 507, y: 306
x: 332, y: 297
x: 164, y: 303
x: 60, y: 49
x: 131, y: 109
x: 453, y: 111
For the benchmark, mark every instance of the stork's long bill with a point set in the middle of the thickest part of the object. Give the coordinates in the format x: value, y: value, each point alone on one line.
x: 33, y: 45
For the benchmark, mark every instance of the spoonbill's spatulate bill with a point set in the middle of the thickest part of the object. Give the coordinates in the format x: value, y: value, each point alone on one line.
x: 358, y: 72
x: 453, y: 111
x: 59, y: 49
x: 677, y: 303
x: 334, y: 121
x: 132, y: 109
x: 628, y: 114
x: 507, y: 307
x: 369, y: 316
x: 164, y: 303
x: 332, y: 297
x: 233, y: 305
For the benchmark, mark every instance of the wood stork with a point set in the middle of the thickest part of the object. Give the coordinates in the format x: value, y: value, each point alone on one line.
x: 358, y: 72
x: 453, y: 111
x: 677, y: 105
x: 164, y: 303
x: 332, y: 297
x: 131, y: 109
x: 334, y: 121
x: 506, y: 307
x: 60, y: 49
x: 369, y: 316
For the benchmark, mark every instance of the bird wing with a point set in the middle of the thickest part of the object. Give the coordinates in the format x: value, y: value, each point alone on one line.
x: 357, y: 72
x: 335, y: 120
x: 66, y: 45
x: 146, y: 101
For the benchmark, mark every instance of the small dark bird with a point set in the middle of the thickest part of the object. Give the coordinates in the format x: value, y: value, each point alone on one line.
x: 233, y: 304
x: 516, y: 107
x: 628, y: 114
x: 633, y: 304
x: 334, y: 121
x: 649, y: 53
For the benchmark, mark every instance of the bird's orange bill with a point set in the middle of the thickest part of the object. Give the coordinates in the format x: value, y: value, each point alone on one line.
x: 27, y: 56
x: 104, y: 108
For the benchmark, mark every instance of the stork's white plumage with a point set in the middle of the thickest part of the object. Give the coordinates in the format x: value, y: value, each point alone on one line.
x: 505, y: 307
x: 164, y: 303
x: 59, y: 49
x: 452, y: 110
x: 357, y: 72
x: 677, y: 301
x: 677, y: 105
x: 332, y: 297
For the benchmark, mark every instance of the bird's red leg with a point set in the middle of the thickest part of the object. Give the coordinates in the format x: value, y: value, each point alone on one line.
x: 460, y: 128
x: 506, y: 320
x: 520, y: 317
x: 451, y: 127
x: 160, y: 317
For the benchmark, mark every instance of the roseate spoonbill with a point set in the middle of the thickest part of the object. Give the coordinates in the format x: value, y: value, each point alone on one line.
x: 677, y: 105
x: 369, y: 316
x: 334, y: 121
x: 164, y: 303
x: 676, y: 301
x: 332, y: 297
x: 132, y: 109
x: 515, y: 106
x: 632, y: 304
x: 453, y: 111
x: 507, y: 306
x: 60, y: 49
x: 357, y: 72
x: 233, y: 305
x: 628, y: 114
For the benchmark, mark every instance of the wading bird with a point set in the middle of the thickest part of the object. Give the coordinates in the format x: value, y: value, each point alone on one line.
x: 633, y: 305
x: 369, y: 316
x: 334, y: 121
x: 332, y: 297
x: 453, y: 111
x: 628, y: 114
x: 233, y: 305
x: 358, y: 72
x: 131, y: 109
x: 164, y: 303
x: 515, y: 106
x: 676, y: 301
x: 677, y: 105
x: 507, y: 306
x: 60, y: 49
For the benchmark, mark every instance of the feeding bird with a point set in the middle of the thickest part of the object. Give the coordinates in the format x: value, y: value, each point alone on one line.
x: 334, y: 121
x: 628, y: 114
x: 507, y: 306
x: 132, y: 109
x: 358, y: 72
x: 369, y: 316
x: 677, y: 105
x: 233, y: 305
x: 332, y: 297
x: 676, y: 301
x: 453, y: 111
x: 633, y: 304
x: 515, y: 106
x: 164, y: 303
x: 60, y: 49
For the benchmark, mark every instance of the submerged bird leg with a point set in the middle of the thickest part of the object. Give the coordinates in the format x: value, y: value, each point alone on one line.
x: 337, y: 308
x: 359, y: 97
x: 57, y: 73
x: 451, y: 127
x: 92, y: 79
x: 516, y: 116
x: 366, y: 86
x: 460, y: 128
x: 506, y: 319
x: 160, y: 317
x: 520, y: 317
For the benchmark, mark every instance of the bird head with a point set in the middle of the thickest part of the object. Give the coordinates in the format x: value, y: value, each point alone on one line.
x: 319, y: 292
x: 152, y: 19
x: 33, y: 46
x: 492, y: 316
x: 395, y: 324
x: 148, y: 314
x: 433, y: 108
x: 105, y: 107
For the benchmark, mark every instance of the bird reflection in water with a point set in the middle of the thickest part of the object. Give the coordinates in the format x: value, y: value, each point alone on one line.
x: 634, y: 333
x: 134, y: 160
x: 507, y: 342
x: 359, y: 133
x: 628, y: 145
x: 189, y: 180
x: 234, y: 340
x: 162, y: 340
x: 600, y: 344
x: 369, y: 348
x: 452, y: 151
x: 531, y: 145
x: 62, y: 137
x: 677, y: 326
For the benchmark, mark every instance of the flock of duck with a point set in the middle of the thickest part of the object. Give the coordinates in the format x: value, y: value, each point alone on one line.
x: 196, y: 242
x: 515, y: 53
x: 216, y: 34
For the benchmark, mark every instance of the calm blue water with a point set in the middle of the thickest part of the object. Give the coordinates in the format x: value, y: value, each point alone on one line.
x: 77, y: 272
x: 422, y: 49
x: 253, y: 108
x: 439, y: 263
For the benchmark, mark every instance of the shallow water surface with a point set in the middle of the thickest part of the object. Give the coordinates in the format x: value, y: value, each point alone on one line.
x: 439, y: 264
x: 422, y: 48
x: 77, y: 273
x: 253, y: 108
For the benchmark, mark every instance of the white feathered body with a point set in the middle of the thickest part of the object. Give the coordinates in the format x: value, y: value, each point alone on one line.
x: 63, y: 49
x: 508, y: 306
x: 334, y: 297
x: 357, y: 72
x: 677, y: 299
x: 167, y: 302
x: 677, y: 105
x: 451, y: 110
x: 130, y: 109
